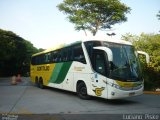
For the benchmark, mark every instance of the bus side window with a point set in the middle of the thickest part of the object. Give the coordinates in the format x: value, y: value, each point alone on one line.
x: 64, y: 54
x: 70, y: 54
x: 78, y: 54
x: 36, y: 60
x: 47, y: 57
x: 59, y: 56
x: 54, y: 56
x: 33, y: 60
x: 40, y: 59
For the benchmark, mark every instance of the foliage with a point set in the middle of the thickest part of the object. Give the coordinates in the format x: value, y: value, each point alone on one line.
x: 149, y: 43
x: 15, y: 53
x: 94, y: 15
x: 41, y: 49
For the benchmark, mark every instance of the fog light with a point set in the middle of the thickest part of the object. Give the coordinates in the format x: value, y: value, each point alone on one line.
x: 112, y: 93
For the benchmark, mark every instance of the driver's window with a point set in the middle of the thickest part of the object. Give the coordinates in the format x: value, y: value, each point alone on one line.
x: 100, y: 62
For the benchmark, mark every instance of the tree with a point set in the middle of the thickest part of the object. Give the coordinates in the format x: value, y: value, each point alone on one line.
x: 94, y: 15
x: 15, y: 53
x: 149, y: 43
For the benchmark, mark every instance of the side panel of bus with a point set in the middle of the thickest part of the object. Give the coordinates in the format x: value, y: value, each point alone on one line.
x: 66, y: 75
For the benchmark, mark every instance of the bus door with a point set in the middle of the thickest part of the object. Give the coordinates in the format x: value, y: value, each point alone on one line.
x: 100, y: 68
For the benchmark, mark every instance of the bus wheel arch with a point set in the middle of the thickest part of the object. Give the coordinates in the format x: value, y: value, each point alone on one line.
x: 40, y: 83
x: 36, y: 81
x: 81, y: 89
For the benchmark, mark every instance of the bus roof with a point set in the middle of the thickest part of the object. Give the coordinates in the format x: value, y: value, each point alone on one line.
x: 56, y: 48
x: 112, y: 41
x: 80, y: 41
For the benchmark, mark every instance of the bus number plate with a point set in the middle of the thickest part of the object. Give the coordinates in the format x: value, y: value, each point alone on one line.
x: 132, y: 93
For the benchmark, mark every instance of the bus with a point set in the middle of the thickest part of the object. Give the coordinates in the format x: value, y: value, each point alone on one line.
x: 101, y: 68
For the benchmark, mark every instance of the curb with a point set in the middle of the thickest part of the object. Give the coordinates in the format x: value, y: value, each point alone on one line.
x: 152, y: 92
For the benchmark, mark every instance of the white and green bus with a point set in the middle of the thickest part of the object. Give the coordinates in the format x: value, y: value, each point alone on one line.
x: 101, y: 68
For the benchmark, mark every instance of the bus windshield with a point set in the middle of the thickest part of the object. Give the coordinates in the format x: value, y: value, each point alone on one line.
x: 125, y: 65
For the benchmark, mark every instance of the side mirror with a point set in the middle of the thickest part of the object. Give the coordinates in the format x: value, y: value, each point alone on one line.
x: 107, y: 50
x: 145, y: 54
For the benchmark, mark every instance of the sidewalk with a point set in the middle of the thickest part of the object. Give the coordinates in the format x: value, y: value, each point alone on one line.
x: 152, y: 92
x: 6, y: 81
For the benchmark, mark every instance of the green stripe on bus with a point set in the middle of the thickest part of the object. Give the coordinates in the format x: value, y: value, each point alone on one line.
x: 55, y: 72
x: 60, y: 71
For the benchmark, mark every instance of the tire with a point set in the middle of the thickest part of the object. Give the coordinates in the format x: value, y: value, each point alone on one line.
x: 36, y: 82
x: 82, y: 91
x: 40, y: 83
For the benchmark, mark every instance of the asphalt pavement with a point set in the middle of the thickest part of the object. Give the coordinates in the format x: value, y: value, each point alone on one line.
x: 25, y: 98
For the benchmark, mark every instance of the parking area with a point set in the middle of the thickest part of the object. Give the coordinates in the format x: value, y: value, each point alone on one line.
x: 25, y: 98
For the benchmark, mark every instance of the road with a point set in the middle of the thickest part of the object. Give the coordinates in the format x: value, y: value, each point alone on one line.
x: 25, y: 98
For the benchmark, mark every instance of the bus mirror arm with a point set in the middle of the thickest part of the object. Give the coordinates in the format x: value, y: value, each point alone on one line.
x: 145, y: 54
x: 107, y: 50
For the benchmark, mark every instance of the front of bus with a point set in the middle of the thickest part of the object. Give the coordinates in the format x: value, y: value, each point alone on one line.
x: 123, y: 75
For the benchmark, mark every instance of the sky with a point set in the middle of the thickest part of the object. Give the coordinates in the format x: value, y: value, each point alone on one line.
x: 41, y: 23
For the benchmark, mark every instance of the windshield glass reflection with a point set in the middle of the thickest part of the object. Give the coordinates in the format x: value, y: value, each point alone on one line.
x: 125, y: 65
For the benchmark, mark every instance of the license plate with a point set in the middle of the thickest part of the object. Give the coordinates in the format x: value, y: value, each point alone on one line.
x: 132, y: 93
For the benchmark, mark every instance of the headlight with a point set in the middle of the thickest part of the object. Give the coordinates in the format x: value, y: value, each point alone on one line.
x: 114, y: 85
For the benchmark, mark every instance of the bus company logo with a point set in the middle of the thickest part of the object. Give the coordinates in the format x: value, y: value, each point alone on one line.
x: 98, y: 91
x: 43, y: 68
x: 79, y: 68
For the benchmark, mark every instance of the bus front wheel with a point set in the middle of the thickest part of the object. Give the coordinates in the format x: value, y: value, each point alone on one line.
x: 82, y: 91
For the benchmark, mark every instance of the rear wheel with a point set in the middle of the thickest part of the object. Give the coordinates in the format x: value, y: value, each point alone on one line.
x: 36, y: 82
x: 82, y: 91
x: 40, y: 83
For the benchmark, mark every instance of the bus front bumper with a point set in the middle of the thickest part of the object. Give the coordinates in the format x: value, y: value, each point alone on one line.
x: 114, y: 93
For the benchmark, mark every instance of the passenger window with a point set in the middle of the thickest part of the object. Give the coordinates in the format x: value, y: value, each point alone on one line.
x: 33, y: 60
x: 70, y: 54
x: 55, y: 56
x: 78, y: 54
x: 41, y: 59
x: 64, y: 54
x: 47, y: 57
